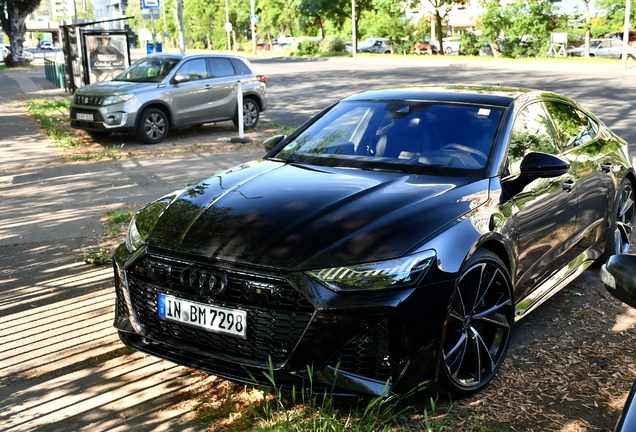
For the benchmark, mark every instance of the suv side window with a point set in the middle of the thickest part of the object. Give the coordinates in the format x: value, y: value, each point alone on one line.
x: 195, y: 69
x: 241, y: 67
x: 221, y: 67
x: 573, y: 127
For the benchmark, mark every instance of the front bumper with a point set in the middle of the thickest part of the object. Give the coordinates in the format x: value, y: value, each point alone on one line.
x: 299, y: 332
x: 112, y: 118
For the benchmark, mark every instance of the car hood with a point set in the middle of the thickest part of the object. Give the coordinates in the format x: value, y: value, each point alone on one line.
x: 300, y: 217
x: 108, y: 88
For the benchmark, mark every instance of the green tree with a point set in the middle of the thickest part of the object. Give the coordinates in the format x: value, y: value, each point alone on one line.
x: 13, y: 15
x: 493, y: 24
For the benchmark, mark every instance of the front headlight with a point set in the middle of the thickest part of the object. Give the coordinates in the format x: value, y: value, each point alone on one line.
x: 133, y: 238
x: 110, y: 100
x: 396, y: 273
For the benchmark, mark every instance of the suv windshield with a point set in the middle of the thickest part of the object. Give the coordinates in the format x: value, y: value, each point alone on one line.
x: 407, y: 136
x: 148, y: 70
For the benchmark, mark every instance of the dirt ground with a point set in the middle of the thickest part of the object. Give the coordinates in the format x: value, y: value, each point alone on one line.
x: 209, y: 138
x: 570, y: 365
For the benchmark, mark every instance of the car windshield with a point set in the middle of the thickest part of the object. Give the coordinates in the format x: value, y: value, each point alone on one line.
x: 595, y: 43
x: 406, y: 136
x: 153, y: 69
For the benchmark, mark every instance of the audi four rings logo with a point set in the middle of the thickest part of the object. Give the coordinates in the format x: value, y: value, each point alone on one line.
x: 206, y: 281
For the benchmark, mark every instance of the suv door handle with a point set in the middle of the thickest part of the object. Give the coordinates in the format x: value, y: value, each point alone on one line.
x: 568, y: 186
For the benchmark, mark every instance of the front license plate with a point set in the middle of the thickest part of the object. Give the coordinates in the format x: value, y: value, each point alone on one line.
x: 208, y: 317
x: 82, y: 116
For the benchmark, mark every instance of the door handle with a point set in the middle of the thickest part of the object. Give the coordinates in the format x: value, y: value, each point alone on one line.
x: 568, y: 186
x: 606, y: 167
x: 207, y: 87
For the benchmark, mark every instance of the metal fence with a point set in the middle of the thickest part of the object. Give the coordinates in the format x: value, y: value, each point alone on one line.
x: 54, y: 72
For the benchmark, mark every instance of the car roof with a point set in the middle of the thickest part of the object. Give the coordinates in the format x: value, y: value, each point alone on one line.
x: 179, y: 56
x: 487, y: 95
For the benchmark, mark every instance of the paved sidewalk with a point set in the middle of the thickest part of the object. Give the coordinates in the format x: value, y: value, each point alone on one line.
x: 22, y: 142
x: 62, y: 366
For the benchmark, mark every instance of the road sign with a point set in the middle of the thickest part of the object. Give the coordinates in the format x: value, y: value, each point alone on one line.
x: 254, y: 19
x: 150, y: 4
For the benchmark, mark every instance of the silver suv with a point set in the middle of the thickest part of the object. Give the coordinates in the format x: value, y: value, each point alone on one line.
x: 165, y: 91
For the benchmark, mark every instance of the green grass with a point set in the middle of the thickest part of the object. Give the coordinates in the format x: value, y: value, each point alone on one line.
x: 52, y: 114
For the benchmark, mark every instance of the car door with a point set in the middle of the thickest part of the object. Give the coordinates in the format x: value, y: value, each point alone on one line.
x: 191, y: 92
x: 578, y: 135
x: 544, y: 209
x: 604, y: 49
x: 225, y: 87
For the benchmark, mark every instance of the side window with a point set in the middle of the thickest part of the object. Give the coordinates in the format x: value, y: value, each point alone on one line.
x: 241, y: 67
x: 531, y: 133
x: 193, y: 70
x: 221, y: 67
x: 573, y: 127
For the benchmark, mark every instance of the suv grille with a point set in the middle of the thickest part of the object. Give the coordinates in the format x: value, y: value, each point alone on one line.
x: 88, y: 100
x: 277, y: 313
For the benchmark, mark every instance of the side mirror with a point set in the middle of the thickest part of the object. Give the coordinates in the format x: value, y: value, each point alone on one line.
x: 543, y: 165
x: 178, y: 78
x: 270, y: 143
x: 619, y: 277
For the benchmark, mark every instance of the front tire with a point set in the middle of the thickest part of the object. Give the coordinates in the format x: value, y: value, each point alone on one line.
x: 478, y: 327
x: 251, y: 114
x: 152, y: 126
x: 621, y: 229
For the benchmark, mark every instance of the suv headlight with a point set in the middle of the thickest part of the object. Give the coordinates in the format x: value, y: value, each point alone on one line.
x: 395, y: 273
x: 110, y: 100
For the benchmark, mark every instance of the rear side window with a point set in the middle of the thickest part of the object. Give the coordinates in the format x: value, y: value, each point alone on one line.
x: 221, y: 67
x: 241, y: 67
x: 573, y: 127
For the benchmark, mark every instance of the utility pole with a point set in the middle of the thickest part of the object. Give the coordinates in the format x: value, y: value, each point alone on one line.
x: 354, y: 39
x: 182, y: 44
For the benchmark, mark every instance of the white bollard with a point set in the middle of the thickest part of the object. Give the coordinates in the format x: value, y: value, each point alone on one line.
x: 239, y: 99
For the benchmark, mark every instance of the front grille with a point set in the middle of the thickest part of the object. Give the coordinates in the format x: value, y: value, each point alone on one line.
x: 277, y: 314
x: 88, y: 100
x: 368, y: 355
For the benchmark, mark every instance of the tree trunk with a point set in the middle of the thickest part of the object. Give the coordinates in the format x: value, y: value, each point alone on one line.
x: 438, y: 30
x: 588, y: 25
x: 17, y: 22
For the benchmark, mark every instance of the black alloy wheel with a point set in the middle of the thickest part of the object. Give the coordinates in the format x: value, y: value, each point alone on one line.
x: 152, y: 126
x: 251, y: 114
x: 623, y: 218
x: 478, y: 326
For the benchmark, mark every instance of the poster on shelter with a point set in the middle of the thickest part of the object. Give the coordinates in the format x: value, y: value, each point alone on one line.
x: 107, y: 56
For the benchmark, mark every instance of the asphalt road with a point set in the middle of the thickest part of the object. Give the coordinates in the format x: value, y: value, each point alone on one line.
x: 61, y: 364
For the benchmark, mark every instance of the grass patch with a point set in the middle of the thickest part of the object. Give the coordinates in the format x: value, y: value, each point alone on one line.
x: 117, y: 220
x: 54, y: 118
x: 97, y: 257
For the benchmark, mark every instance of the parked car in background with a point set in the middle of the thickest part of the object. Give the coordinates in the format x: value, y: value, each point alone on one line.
x: 619, y: 277
x: 28, y: 55
x: 165, y: 91
x: 375, y: 45
x: 451, y: 44
x: 606, y: 48
x: 424, y: 48
x: 396, y: 237
x: 619, y: 35
x: 4, y: 51
x: 45, y: 45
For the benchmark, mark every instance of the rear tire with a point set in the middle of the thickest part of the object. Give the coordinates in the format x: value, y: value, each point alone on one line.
x: 152, y: 126
x: 478, y: 327
x: 251, y: 114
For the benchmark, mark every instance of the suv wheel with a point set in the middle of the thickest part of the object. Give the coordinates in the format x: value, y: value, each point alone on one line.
x: 152, y: 126
x: 251, y: 114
